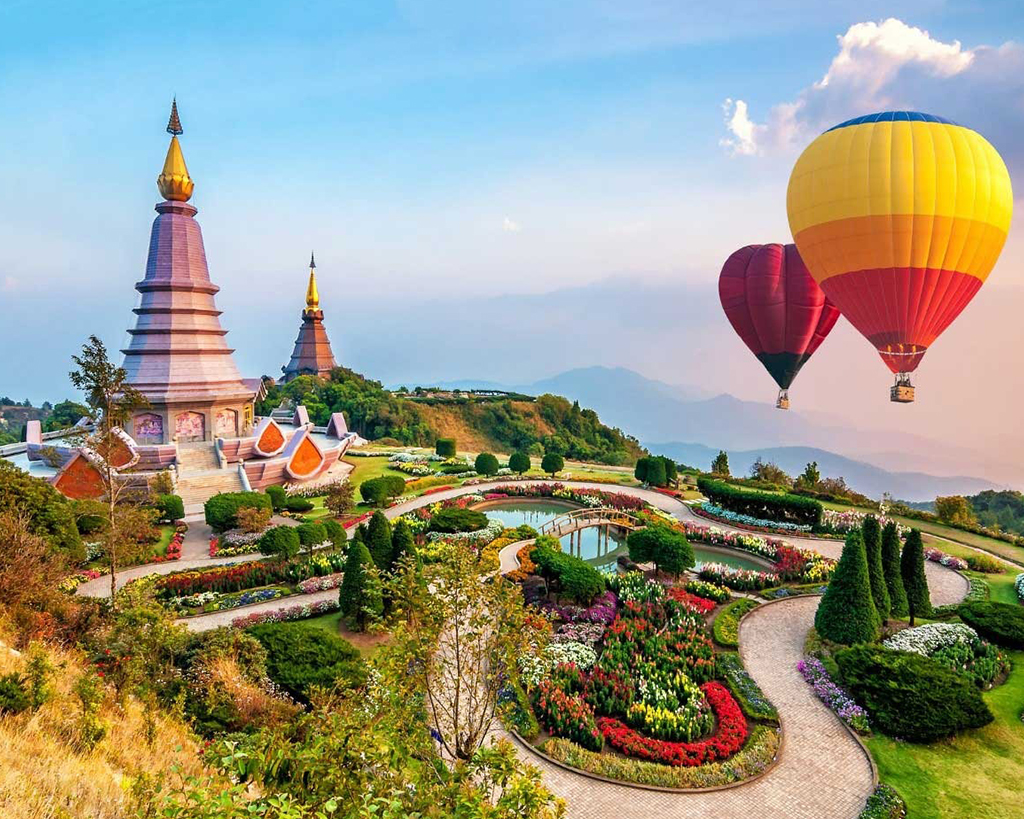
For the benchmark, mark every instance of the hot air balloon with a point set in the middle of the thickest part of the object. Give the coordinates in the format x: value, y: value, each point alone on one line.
x: 900, y: 217
x: 777, y: 309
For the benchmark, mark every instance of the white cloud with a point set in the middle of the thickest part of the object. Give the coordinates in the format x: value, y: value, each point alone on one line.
x: 893, y: 65
x: 510, y: 226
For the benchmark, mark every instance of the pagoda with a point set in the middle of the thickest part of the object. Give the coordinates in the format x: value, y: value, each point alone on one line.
x: 177, y: 355
x: 312, y: 354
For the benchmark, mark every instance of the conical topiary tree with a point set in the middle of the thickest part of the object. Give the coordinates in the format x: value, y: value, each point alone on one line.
x: 891, y: 570
x: 372, y: 604
x: 350, y: 597
x: 846, y: 614
x: 872, y: 534
x: 914, y: 581
x: 403, y: 542
x: 379, y: 541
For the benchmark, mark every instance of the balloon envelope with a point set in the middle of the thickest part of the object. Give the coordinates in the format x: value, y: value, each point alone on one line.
x: 776, y: 307
x: 900, y: 217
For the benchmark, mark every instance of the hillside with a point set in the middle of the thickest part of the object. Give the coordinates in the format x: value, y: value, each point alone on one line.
x: 548, y: 423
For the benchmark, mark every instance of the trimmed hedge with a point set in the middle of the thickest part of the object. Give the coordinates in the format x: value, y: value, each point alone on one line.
x: 1000, y: 623
x: 301, y: 656
x: 450, y: 521
x: 445, y: 447
x: 170, y: 507
x: 336, y: 532
x: 311, y: 534
x: 220, y: 510
x: 377, y: 490
x: 280, y: 540
x: 486, y: 464
x: 298, y: 505
x: 846, y: 613
x: 764, y: 505
x: 576, y: 578
x: 727, y: 624
x: 910, y: 696
x: 278, y: 497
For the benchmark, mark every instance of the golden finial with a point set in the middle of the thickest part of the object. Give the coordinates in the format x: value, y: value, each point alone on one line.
x: 312, y: 294
x: 174, y: 182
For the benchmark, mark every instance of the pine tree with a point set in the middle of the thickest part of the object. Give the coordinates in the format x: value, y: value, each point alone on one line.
x: 351, y: 595
x: 372, y: 604
x: 402, y: 542
x: 872, y: 533
x: 379, y: 541
x: 891, y: 569
x: 914, y: 581
x: 846, y: 614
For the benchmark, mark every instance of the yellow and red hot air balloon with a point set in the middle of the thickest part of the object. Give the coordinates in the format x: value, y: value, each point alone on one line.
x: 900, y: 217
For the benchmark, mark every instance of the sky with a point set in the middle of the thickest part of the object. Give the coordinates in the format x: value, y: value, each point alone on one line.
x: 427, y: 150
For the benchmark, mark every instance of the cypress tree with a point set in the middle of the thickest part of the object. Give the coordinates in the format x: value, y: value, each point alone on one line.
x: 402, y: 541
x: 872, y: 533
x: 846, y: 614
x: 891, y: 569
x: 914, y: 581
x: 372, y: 607
x: 379, y: 541
x: 350, y: 597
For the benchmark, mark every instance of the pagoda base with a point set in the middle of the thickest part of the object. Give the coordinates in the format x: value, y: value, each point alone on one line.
x: 166, y: 423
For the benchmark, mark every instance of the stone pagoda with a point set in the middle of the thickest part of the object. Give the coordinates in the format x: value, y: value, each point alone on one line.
x: 177, y: 355
x: 312, y: 354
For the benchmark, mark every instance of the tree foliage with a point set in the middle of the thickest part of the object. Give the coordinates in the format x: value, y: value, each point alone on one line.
x: 666, y: 548
x: 519, y: 462
x: 486, y: 464
x: 892, y: 572
x: 846, y: 613
x: 552, y: 463
x: 955, y: 510
x: 720, y: 464
x: 49, y: 513
x: 915, y: 583
x: 872, y: 533
x: 379, y: 541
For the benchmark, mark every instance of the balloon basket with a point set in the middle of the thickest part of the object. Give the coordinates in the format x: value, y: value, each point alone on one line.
x: 902, y: 392
x: 782, y: 402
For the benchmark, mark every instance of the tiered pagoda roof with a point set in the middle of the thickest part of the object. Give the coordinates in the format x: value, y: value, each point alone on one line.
x: 312, y: 354
x: 177, y: 353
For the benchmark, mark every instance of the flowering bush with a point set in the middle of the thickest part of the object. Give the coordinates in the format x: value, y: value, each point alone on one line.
x: 949, y: 561
x: 738, y: 519
x: 222, y: 579
x: 738, y: 579
x: 956, y: 646
x: 281, y: 615
x: 73, y: 581
x: 602, y: 610
x: 832, y: 695
x: 702, y: 533
x: 315, y: 584
x: 635, y: 588
x: 732, y: 733
x: 929, y: 638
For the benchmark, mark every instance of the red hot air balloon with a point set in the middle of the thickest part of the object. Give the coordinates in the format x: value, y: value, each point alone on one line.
x: 777, y: 309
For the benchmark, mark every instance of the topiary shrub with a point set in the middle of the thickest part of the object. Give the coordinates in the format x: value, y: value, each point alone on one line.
x: 1001, y: 623
x: 445, y: 447
x: 169, y: 507
x: 846, y: 613
x: 379, y: 541
x: 872, y: 534
x: 519, y: 462
x: 764, y: 505
x: 910, y: 696
x: 278, y: 497
x: 336, y: 532
x: 553, y: 463
x: 576, y: 578
x: 373, y: 492
x: 891, y: 570
x: 220, y: 510
x: 914, y: 581
x: 300, y: 656
x: 311, y: 534
x: 486, y: 464
x: 281, y: 540
x: 454, y: 520
x: 299, y: 505
x: 403, y: 542
x: 666, y: 548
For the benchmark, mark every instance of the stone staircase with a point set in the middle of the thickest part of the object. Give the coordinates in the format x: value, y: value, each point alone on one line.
x: 200, y: 476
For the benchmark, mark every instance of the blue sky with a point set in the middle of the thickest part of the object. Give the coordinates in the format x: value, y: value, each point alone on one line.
x: 429, y: 147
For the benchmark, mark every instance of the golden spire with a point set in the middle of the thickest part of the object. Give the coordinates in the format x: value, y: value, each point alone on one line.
x: 174, y: 182
x: 312, y: 294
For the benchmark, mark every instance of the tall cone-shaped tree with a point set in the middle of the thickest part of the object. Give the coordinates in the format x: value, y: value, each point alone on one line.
x: 403, y: 542
x: 846, y: 614
x: 350, y: 597
x: 379, y: 541
x: 891, y: 569
x: 872, y: 533
x: 914, y: 581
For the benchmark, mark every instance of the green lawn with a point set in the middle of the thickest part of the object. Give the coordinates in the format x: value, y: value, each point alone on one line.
x: 976, y: 774
x: 166, y: 533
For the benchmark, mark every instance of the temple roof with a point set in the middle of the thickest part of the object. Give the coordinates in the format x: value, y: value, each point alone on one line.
x: 312, y: 354
x: 174, y: 182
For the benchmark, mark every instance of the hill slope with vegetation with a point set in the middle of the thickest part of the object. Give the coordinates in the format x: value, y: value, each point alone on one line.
x: 549, y: 423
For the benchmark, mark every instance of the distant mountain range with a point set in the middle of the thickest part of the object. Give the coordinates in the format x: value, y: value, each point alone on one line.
x: 668, y: 417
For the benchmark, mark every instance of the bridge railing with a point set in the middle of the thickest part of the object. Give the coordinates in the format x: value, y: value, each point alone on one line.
x: 592, y: 516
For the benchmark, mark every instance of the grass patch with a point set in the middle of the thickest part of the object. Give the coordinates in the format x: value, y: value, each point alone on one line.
x: 727, y: 624
x: 332, y: 622
x: 976, y: 774
x: 166, y: 533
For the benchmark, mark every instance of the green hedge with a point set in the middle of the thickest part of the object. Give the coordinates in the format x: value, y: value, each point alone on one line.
x: 450, y: 521
x: 378, y: 490
x: 300, y: 656
x: 727, y: 624
x: 299, y: 505
x: 910, y: 696
x: 220, y: 510
x: 277, y: 496
x: 764, y: 505
x: 576, y: 578
x: 281, y: 540
x: 445, y: 447
x: 1001, y: 623
x: 170, y: 507
x: 311, y: 534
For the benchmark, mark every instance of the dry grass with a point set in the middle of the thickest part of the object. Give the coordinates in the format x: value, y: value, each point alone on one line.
x: 44, y: 773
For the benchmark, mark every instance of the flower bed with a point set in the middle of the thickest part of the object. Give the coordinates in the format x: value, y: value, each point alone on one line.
x: 584, y: 497
x: 839, y: 523
x: 956, y: 646
x: 929, y: 638
x: 832, y: 695
x: 693, y: 602
x: 737, y: 579
x: 747, y: 692
x: 209, y: 602
x: 949, y: 561
x: 315, y: 584
x: 711, y: 591
x: 299, y: 612
x: 73, y: 581
x: 727, y: 624
x: 1018, y: 585
x: 714, y: 512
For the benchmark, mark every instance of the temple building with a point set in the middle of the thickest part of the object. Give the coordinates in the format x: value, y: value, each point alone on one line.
x: 312, y: 354
x: 178, y: 355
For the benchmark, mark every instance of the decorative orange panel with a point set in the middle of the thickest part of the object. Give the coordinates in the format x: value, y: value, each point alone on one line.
x: 306, y: 460
x: 80, y: 480
x: 271, y: 440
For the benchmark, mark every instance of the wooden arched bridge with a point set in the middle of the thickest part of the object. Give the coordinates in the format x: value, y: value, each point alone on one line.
x: 604, y: 518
